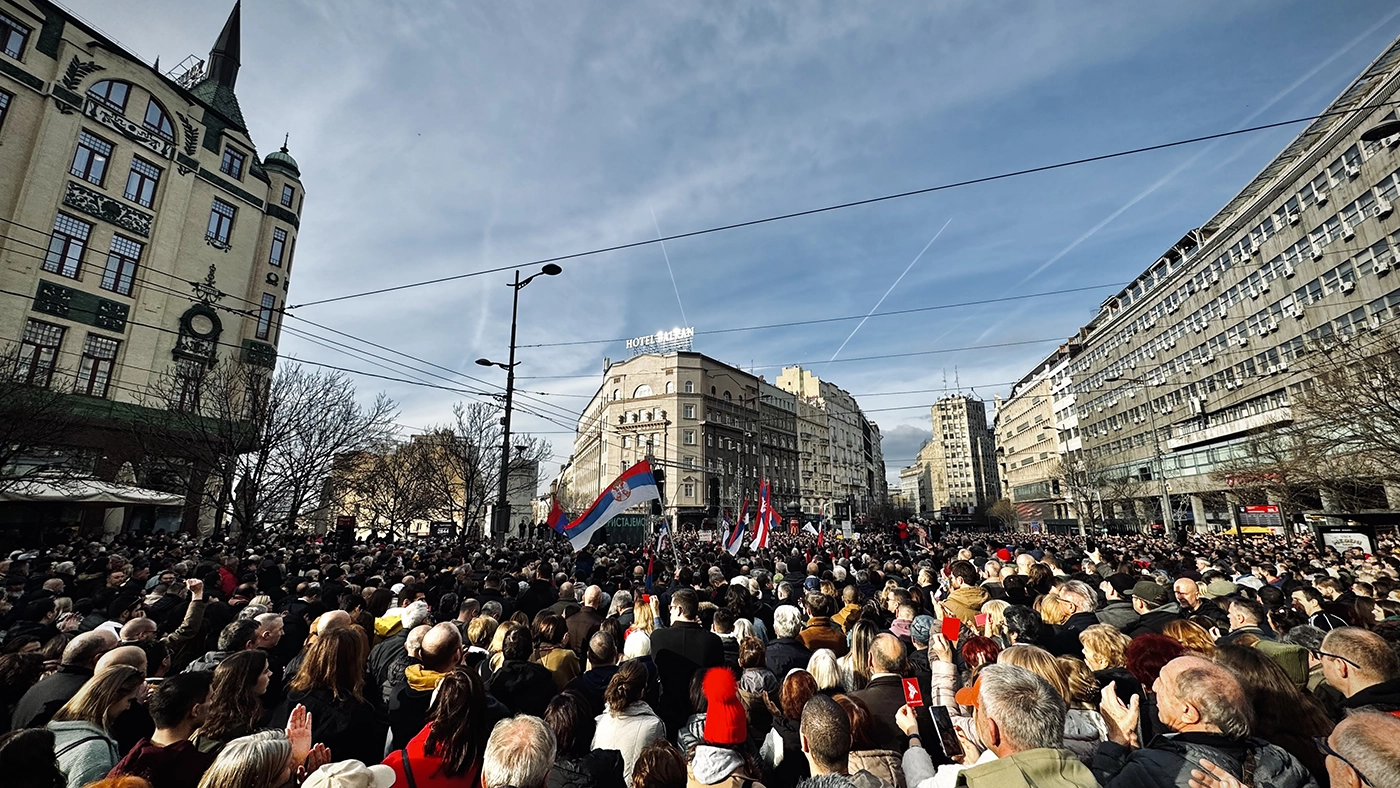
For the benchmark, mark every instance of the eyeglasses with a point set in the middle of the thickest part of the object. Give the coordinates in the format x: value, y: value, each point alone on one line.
x: 1321, y: 742
x: 1319, y: 654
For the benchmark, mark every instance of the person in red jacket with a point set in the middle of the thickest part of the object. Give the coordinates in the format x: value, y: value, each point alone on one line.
x: 448, y: 752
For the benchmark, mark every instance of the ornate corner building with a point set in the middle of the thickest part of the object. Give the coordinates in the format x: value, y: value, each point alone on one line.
x: 143, y: 240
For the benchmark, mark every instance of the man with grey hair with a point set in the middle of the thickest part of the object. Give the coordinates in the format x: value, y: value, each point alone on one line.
x: 1364, y: 750
x: 1205, y: 707
x: 1021, y: 720
x: 383, y: 656
x: 1083, y: 601
x: 786, y: 652
x: 519, y: 754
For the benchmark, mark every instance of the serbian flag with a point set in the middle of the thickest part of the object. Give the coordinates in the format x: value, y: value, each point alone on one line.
x: 556, y: 519
x: 765, y: 517
x: 735, y: 539
x: 635, y: 486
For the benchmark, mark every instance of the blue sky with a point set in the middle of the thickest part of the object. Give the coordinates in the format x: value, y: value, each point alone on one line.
x: 438, y: 138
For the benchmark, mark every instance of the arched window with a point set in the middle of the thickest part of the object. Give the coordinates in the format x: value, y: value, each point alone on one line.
x: 712, y: 391
x: 642, y: 391
x: 616, y: 395
x: 159, y: 122
x: 112, y: 93
x: 690, y: 387
x: 670, y: 387
x: 728, y: 398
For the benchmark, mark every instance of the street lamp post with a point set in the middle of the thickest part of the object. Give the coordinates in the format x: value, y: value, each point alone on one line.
x: 502, y: 514
x: 1168, y: 520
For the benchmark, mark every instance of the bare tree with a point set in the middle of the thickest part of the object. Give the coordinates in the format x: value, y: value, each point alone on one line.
x: 390, y: 486
x: 1081, y: 476
x: 1005, y: 512
x: 467, y: 461
x: 267, y: 440
x: 38, y: 423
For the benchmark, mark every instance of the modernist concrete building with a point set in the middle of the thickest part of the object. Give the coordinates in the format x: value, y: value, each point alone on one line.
x: 1203, y: 348
x: 842, y: 462
x: 716, y: 430
x: 144, y: 237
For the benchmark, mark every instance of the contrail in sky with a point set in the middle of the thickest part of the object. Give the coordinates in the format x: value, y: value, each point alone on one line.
x: 891, y: 290
x: 684, y: 321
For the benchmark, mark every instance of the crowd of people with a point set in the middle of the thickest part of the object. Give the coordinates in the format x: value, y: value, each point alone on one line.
x: 880, y: 662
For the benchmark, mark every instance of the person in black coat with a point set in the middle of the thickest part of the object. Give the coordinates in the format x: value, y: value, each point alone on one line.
x: 679, y: 650
x: 410, y: 701
x: 522, y: 686
x: 576, y: 764
x: 787, y: 652
x: 602, y: 666
x: 347, y: 713
x: 585, y: 622
x: 884, y: 695
x: 39, y: 704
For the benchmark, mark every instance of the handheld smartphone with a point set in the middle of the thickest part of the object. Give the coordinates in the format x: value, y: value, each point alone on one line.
x: 947, y: 734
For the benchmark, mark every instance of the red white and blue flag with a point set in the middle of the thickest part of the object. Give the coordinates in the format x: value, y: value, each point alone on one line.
x: 556, y: 520
x: 735, y: 539
x: 765, y: 517
x: 636, y: 485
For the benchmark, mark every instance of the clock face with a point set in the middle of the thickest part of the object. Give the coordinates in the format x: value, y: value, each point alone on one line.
x: 201, y: 325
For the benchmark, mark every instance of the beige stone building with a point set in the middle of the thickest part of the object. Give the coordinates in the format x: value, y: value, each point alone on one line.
x: 145, y: 238
x: 715, y: 429
x: 960, y: 458
x: 1028, y: 447
x: 842, y: 462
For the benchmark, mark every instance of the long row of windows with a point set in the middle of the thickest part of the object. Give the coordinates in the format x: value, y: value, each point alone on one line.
x: 38, y: 355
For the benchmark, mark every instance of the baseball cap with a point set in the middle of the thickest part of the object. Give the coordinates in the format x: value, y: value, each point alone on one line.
x: 351, y: 774
x: 1150, y: 592
x: 967, y: 696
x: 1219, y: 587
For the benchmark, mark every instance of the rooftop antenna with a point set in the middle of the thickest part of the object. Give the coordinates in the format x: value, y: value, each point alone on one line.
x: 957, y: 384
x: 285, y: 139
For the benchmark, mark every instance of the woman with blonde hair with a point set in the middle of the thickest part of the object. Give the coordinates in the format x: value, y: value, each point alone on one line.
x: 644, y: 614
x: 855, y: 666
x: 826, y: 671
x: 1084, y: 727
x: 1191, y: 635
x: 83, y: 744
x: 995, y: 609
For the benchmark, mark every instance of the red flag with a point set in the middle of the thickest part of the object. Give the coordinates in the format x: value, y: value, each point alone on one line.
x: 821, y: 538
x: 556, y: 519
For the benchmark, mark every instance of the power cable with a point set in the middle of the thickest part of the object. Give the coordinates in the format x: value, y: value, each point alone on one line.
x: 852, y: 204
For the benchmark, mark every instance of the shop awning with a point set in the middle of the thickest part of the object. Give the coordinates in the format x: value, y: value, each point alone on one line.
x: 87, y: 491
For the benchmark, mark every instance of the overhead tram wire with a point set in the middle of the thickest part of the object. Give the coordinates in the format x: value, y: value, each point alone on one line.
x: 852, y: 204
x: 537, y: 403
x: 845, y: 318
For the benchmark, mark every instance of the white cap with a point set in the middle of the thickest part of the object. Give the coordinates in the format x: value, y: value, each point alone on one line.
x: 351, y: 774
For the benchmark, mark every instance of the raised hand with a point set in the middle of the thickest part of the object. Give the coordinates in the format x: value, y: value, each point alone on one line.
x: 1213, y: 777
x: 299, y: 733
x: 941, y: 647
x: 1122, y: 721
x: 906, y: 720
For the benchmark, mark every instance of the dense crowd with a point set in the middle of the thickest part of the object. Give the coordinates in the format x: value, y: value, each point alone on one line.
x: 1014, y: 660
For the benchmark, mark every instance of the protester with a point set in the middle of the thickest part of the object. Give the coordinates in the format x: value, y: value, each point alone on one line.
x: 168, y: 758
x: 722, y: 758
x: 83, y: 742
x: 448, y: 751
x: 519, y: 754
x: 629, y: 724
x: 579, y: 764
x: 330, y: 683
x: 1205, y: 706
x: 235, y: 701
x: 440, y: 654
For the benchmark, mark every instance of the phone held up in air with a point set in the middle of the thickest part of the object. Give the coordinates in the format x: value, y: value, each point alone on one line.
x: 947, y: 734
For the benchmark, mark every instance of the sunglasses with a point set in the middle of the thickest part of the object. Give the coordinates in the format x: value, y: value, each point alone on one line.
x: 1321, y: 742
x: 1319, y: 654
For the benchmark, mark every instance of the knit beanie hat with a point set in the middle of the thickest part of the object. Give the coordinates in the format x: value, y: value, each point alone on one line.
x: 725, y: 719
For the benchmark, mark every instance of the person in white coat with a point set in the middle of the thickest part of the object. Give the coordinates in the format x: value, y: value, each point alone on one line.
x: 629, y: 724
